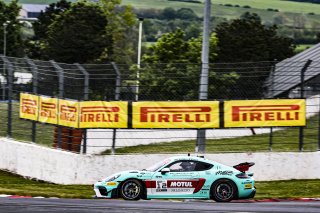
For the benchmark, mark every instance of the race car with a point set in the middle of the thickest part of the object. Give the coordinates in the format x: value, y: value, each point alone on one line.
x: 182, y: 177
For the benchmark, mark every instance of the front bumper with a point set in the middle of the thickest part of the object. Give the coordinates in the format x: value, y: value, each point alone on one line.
x: 103, y: 191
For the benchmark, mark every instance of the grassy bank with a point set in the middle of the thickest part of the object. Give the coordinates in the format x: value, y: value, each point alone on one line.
x: 283, y: 140
x: 22, y: 129
x: 16, y: 185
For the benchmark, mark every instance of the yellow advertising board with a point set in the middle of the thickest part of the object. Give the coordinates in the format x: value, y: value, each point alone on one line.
x: 29, y: 106
x: 260, y: 113
x: 68, y: 113
x: 184, y: 114
x: 101, y: 114
x: 48, y: 110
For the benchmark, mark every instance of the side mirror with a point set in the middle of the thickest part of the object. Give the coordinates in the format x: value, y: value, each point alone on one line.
x: 165, y: 170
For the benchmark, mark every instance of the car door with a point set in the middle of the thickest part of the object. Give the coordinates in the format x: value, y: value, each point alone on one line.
x: 179, y: 181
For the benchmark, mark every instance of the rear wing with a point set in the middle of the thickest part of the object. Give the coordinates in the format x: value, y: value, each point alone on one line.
x: 243, y: 167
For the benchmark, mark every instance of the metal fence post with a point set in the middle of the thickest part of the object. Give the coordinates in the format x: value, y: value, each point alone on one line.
x: 116, y: 97
x: 273, y: 69
x: 34, y: 70
x: 270, y: 139
x: 319, y: 126
x: 303, y: 70
x: 3, y: 84
x: 9, y: 67
x: 86, y: 81
x: 118, y: 81
x: 59, y: 71
x: 203, y: 90
x: 85, y: 97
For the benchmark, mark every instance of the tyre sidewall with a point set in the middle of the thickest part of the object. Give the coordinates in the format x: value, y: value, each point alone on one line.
x: 127, y: 182
x: 216, y: 184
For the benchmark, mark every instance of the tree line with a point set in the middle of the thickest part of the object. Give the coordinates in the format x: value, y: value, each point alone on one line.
x: 87, y: 32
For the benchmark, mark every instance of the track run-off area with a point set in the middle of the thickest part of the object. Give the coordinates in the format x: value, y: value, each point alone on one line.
x: 31, y: 205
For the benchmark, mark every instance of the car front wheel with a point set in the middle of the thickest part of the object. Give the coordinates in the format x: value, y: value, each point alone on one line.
x: 131, y: 190
x: 223, y: 190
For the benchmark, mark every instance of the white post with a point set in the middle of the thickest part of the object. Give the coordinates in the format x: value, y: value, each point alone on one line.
x: 139, y: 58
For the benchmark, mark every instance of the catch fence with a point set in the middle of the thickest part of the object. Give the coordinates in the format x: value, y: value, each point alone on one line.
x: 160, y: 82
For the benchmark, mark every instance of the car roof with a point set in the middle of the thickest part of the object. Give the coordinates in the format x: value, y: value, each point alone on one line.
x: 186, y: 157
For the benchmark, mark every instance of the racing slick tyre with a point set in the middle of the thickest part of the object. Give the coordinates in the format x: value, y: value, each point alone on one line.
x: 223, y: 190
x: 131, y: 189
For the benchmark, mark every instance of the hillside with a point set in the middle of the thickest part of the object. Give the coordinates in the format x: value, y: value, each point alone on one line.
x: 218, y: 6
x: 290, y: 11
x: 230, y: 9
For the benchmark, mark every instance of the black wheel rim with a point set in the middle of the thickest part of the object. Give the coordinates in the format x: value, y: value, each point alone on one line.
x: 131, y: 190
x: 224, y: 191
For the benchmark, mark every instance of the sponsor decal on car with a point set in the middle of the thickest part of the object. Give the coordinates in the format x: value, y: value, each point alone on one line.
x: 224, y: 172
x: 111, y: 183
x: 181, y: 190
x: 248, y: 186
x: 182, y: 184
x: 161, y: 184
x: 161, y: 190
x: 175, y: 186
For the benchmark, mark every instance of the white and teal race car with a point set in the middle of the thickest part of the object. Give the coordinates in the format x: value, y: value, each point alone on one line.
x: 183, y: 177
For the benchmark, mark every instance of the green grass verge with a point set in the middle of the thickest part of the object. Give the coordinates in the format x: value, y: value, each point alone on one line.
x: 16, y: 185
x: 283, y: 140
x: 288, y: 189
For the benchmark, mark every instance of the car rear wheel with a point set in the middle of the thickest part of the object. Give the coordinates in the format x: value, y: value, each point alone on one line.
x: 131, y: 190
x: 223, y: 190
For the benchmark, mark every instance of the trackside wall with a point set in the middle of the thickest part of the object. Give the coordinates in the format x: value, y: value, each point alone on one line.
x: 68, y: 168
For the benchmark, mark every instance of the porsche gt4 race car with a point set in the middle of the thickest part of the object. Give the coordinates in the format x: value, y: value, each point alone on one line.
x: 183, y: 177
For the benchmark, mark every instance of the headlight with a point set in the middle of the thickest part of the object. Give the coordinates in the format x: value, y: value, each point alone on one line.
x: 112, y: 178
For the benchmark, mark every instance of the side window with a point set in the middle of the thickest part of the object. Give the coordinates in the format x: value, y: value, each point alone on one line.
x: 201, y: 166
x: 182, y: 166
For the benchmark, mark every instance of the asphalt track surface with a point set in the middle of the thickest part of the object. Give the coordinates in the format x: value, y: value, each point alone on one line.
x: 27, y: 205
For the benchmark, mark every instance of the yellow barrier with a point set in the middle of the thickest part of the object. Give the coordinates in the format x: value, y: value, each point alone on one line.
x: 169, y: 114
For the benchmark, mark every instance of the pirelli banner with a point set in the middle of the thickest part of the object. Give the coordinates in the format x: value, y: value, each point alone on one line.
x: 101, y: 114
x: 70, y: 113
x: 48, y: 110
x: 163, y: 115
x: 184, y: 114
x: 29, y: 106
x: 264, y: 113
